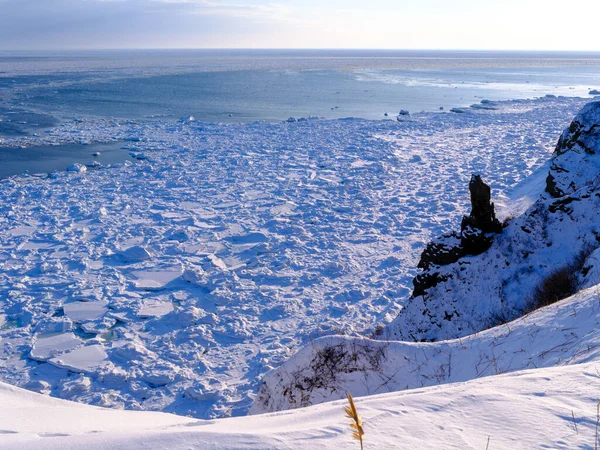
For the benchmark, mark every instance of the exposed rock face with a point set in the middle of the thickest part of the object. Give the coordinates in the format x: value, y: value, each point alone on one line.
x: 474, y: 238
x: 575, y: 160
x: 440, y: 252
x: 482, y: 219
x: 483, y: 216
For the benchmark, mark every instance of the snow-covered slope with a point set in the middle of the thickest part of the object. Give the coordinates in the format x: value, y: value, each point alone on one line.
x: 576, y: 161
x: 561, y: 334
x: 558, y: 232
x: 555, y: 239
x: 546, y: 408
x: 175, y: 282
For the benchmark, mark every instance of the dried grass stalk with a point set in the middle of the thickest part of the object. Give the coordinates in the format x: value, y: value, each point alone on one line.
x: 356, y: 425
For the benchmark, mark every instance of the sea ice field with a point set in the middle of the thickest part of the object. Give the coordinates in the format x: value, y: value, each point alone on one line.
x: 175, y: 280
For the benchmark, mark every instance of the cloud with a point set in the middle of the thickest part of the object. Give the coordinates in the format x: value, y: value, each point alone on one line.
x: 135, y: 23
x: 468, y: 24
x: 270, y: 11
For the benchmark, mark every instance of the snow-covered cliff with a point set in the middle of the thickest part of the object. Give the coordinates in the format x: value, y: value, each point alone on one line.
x: 559, y: 231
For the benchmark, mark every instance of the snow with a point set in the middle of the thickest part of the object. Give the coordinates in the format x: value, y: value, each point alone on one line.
x: 473, y: 295
x: 553, y: 233
x: 212, y: 261
x: 574, y: 163
x: 565, y: 333
x: 544, y: 408
x: 78, y: 168
x: 198, y: 278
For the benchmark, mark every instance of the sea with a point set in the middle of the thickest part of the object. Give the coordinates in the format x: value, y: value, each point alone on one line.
x: 40, y: 90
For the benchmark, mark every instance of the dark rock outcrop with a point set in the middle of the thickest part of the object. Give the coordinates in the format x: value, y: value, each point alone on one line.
x: 483, y: 216
x: 575, y: 161
x: 475, y: 238
x: 442, y: 251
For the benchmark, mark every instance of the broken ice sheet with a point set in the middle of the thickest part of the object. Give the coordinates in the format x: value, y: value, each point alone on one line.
x: 80, y: 312
x: 99, y: 326
x: 47, y: 346
x: 84, y: 359
x: 154, y: 308
x: 155, y: 279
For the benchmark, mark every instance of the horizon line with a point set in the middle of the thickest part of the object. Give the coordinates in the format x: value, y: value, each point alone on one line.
x: 468, y: 50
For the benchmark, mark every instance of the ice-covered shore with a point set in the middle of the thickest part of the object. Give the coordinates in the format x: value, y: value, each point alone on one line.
x: 175, y: 282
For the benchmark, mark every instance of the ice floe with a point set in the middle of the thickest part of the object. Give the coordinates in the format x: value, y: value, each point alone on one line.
x: 45, y: 347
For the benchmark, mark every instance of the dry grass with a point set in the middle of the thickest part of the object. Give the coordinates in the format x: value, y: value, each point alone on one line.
x: 597, y: 423
x: 356, y: 425
x: 560, y: 284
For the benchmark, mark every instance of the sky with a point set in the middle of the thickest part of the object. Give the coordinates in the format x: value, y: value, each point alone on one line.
x: 380, y: 24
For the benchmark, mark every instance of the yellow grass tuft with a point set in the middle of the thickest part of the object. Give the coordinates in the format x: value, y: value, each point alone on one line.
x: 356, y: 425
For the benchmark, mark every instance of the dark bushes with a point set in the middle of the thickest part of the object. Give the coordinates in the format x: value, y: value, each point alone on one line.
x: 560, y: 284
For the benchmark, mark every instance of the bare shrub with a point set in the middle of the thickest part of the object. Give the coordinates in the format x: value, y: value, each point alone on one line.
x: 559, y: 285
x: 329, y: 364
x: 501, y: 317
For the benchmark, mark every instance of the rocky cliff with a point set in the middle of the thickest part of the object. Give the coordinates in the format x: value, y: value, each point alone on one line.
x: 557, y: 233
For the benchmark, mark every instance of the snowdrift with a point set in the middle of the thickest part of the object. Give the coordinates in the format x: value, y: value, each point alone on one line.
x: 545, y: 408
x: 561, y: 334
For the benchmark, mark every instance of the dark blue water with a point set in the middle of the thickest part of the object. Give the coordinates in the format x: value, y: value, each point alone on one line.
x: 275, y: 95
x: 272, y: 85
x: 47, y: 158
x: 37, y: 91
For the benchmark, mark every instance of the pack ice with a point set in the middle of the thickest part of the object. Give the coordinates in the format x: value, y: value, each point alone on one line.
x: 176, y: 281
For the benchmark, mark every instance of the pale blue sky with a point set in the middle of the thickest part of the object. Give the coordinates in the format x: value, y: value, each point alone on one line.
x: 400, y: 24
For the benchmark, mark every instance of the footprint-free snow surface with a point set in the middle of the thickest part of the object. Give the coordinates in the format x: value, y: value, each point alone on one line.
x: 175, y: 281
x: 546, y: 408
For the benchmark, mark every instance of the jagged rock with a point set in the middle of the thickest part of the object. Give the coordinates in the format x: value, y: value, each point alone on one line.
x: 427, y: 280
x: 482, y: 219
x: 442, y: 251
x: 483, y: 216
x: 575, y: 162
x: 473, y: 239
